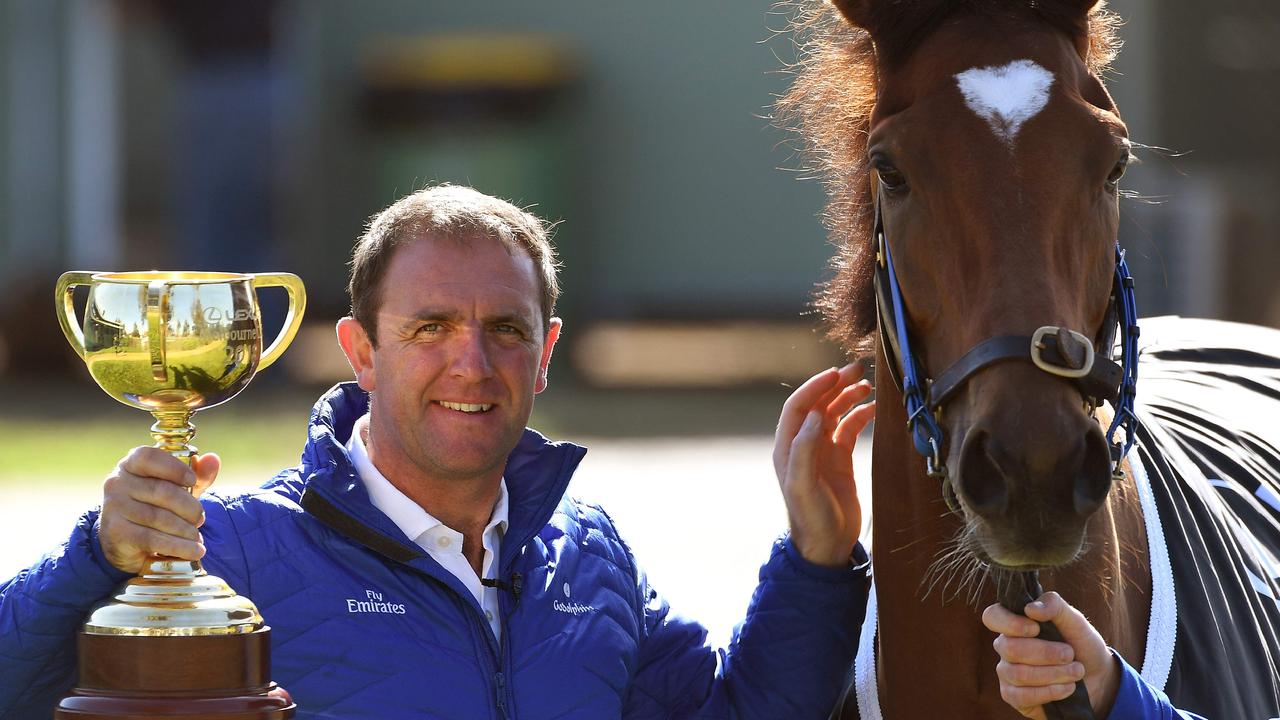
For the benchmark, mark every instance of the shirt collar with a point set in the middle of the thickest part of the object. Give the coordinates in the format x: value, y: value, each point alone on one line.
x: 408, y: 515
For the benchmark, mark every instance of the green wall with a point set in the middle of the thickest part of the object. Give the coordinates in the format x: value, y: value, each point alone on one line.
x: 673, y: 201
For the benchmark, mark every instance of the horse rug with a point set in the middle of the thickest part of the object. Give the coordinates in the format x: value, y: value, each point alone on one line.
x: 1207, y: 467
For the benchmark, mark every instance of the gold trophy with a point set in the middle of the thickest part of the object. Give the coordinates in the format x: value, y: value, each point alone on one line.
x: 175, y: 642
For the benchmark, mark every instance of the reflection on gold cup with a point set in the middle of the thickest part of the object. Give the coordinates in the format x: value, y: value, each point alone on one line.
x: 172, y: 343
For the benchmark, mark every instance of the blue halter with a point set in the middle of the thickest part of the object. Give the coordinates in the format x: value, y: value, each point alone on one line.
x: 924, y: 428
x: 1126, y: 308
x: 1098, y: 378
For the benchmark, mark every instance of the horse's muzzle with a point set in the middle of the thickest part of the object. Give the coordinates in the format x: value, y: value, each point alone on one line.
x: 1033, y: 479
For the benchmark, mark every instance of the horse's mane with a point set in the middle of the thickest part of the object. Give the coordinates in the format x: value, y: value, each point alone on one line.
x: 829, y: 106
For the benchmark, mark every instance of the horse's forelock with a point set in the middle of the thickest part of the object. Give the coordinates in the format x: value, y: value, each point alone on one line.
x: 829, y: 106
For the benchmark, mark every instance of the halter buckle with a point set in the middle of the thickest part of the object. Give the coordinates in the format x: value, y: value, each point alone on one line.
x: 1067, y: 340
x: 934, y: 466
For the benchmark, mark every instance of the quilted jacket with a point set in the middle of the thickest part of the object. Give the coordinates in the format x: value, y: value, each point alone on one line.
x: 366, y: 625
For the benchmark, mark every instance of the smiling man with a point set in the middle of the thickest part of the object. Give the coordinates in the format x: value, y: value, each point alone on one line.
x: 423, y: 560
x: 456, y: 334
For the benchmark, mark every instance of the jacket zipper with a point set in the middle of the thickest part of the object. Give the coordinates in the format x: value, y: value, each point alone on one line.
x: 486, y: 632
x: 501, y: 688
x: 507, y: 606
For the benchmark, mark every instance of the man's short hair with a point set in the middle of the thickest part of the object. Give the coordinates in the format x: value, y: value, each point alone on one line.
x: 451, y: 211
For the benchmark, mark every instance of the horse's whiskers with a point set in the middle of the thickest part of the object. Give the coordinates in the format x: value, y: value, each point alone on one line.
x: 908, y: 545
x: 956, y: 565
x: 922, y: 525
x: 1166, y: 152
x: 1138, y: 197
x: 944, y: 562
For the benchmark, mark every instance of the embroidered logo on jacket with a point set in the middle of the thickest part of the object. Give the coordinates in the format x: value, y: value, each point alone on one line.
x: 571, y: 607
x: 374, y: 604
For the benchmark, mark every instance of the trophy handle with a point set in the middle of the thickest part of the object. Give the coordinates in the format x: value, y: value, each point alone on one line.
x: 297, y: 306
x: 63, y: 303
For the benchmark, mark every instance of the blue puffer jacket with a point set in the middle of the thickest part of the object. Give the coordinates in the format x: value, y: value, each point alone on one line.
x: 365, y: 624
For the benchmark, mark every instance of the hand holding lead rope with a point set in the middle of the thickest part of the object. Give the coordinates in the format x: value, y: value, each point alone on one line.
x: 1057, y: 667
x: 1016, y: 591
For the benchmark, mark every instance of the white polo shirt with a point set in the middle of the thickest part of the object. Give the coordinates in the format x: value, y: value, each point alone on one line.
x: 441, y: 542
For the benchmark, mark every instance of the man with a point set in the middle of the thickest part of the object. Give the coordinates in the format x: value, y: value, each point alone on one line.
x: 423, y: 561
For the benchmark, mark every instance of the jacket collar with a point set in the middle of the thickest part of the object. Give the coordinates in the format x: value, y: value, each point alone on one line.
x: 538, y: 473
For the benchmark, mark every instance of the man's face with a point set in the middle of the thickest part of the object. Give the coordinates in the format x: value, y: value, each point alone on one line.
x: 460, y: 355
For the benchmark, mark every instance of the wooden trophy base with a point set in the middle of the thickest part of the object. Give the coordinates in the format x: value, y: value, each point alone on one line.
x: 202, y: 677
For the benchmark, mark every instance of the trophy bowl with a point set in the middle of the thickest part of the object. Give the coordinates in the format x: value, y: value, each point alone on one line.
x: 175, y: 641
x: 175, y: 340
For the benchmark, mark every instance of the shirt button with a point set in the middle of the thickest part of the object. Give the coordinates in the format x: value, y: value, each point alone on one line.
x: 488, y: 614
x: 443, y: 541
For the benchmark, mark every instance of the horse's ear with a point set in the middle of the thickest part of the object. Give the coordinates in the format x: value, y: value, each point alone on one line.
x: 857, y: 12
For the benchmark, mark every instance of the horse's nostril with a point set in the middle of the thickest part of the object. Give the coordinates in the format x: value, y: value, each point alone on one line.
x: 1093, y: 480
x: 981, y: 479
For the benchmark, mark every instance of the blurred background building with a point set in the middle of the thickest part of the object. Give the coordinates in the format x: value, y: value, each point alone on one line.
x: 259, y: 134
x: 262, y: 135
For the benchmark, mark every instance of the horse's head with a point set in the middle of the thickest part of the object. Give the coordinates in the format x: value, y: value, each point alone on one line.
x: 996, y: 152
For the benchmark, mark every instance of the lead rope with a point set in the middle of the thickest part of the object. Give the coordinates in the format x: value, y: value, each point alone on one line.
x: 1015, y: 592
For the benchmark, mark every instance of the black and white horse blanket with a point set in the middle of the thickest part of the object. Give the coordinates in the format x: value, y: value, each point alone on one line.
x: 1207, y: 467
x: 1209, y: 402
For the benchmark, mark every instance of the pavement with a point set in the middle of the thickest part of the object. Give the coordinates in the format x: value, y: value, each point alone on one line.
x: 699, y: 513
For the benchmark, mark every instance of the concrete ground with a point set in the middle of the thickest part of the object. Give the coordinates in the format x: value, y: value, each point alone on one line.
x: 700, y: 514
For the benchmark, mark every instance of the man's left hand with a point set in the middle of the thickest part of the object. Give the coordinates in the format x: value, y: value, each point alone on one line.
x: 813, y: 457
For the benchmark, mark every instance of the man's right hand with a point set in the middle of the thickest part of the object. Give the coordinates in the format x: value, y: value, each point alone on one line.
x: 149, y: 508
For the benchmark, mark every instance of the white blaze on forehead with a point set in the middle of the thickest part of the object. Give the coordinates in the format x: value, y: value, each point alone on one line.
x: 1006, y: 96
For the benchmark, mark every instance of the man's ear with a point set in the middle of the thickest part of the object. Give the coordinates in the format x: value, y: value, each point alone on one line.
x: 359, y: 351
x: 553, y: 334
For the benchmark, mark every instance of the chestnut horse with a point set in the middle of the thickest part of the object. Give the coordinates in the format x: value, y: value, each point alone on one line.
x: 971, y: 145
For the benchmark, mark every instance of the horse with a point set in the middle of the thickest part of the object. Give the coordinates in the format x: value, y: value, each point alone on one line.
x: 973, y: 160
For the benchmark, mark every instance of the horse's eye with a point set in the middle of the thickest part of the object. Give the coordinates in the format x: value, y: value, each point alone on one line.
x: 1117, y: 172
x: 891, y: 179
